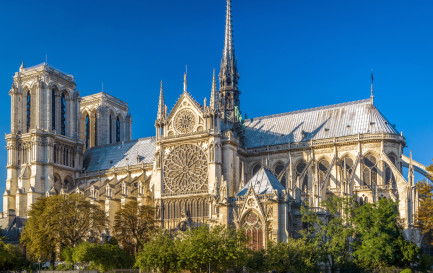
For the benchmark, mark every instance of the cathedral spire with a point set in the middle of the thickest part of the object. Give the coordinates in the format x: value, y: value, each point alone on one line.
x: 213, y: 95
x: 161, y: 105
x: 22, y: 66
x: 372, y: 94
x: 228, y: 72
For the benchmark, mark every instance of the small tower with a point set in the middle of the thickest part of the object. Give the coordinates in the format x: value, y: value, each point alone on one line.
x: 162, y: 112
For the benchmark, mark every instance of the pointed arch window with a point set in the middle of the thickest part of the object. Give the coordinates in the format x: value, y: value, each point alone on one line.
x: 96, y: 129
x: 111, y: 129
x: 53, y: 109
x: 29, y: 102
x: 278, y: 169
x: 370, y: 170
x: 87, y: 131
x: 117, y: 130
x: 63, y: 115
x: 300, y: 167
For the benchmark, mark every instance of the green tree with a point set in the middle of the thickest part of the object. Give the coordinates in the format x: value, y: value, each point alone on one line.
x: 293, y: 256
x: 11, y: 257
x: 216, y: 249
x: 134, y: 225
x: 379, y: 238
x: 425, y: 209
x: 159, y: 253
x: 60, y: 221
x: 102, y: 257
x: 331, y: 231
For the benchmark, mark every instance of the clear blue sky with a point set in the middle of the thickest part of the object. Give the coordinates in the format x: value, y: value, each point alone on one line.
x: 291, y: 55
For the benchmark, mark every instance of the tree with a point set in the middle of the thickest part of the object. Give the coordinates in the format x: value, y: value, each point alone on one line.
x: 216, y: 249
x: 293, y: 256
x: 159, y: 253
x: 102, y: 257
x: 60, y: 221
x: 379, y: 238
x: 425, y: 209
x: 331, y: 231
x: 11, y: 257
x: 133, y: 225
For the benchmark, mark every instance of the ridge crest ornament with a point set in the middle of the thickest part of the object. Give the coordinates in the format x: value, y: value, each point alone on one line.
x: 184, y: 121
x: 185, y: 170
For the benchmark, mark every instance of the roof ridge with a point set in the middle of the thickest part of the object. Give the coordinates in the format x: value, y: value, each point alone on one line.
x: 311, y: 109
x: 120, y: 143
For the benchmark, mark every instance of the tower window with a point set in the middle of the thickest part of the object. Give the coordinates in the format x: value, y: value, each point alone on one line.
x: 87, y: 131
x: 63, y: 115
x: 96, y: 129
x: 111, y: 129
x: 28, y: 110
x: 117, y: 130
x: 53, y: 109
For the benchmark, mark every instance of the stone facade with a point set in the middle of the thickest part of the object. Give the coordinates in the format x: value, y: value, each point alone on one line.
x: 205, y: 165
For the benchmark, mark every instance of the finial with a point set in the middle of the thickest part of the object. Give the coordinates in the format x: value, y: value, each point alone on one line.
x: 22, y: 66
x: 161, y: 105
x: 102, y: 83
x: 213, y: 95
x: 372, y: 94
x: 184, y: 82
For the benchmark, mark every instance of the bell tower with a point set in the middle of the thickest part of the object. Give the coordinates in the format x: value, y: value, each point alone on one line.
x: 44, y: 150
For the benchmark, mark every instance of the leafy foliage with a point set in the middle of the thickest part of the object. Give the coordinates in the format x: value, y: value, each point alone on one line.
x: 60, y: 221
x: 159, y: 253
x: 379, y: 239
x: 425, y: 209
x: 293, y: 256
x: 102, y: 257
x: 331, y: 231
x: 11, y: 257
x: 133, y: 225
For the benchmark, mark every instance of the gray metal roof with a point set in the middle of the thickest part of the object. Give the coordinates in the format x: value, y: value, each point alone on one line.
x: 263, y: 182
x: 330, y: 121
x: 120, y: 155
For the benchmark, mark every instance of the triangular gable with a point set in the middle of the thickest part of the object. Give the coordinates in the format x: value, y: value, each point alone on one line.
x: 263, y: 182
x: 180, y: 103
x: 252, y: 202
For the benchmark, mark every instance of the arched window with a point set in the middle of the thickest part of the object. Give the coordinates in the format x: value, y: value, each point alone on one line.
x: 87, y: 131
x: 63, y: 115
x: 117, y: 130
x: 370, y: 170
x: 323, y: 169
x: 29, y: 102
x: 111, y: 129
x: 254, y: 230
x: 96, y: 129
x: 299, y: 169
x: 278, y: 169
x: 53, y: 109
x: 256, y: 169
x: 346, y: 168
x: 389, y: 175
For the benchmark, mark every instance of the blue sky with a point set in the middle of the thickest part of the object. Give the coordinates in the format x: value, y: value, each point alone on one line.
x: 291, y: 55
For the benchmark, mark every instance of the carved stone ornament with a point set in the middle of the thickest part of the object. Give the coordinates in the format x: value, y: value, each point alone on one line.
x: 184, y: 121
x: 185, y: 170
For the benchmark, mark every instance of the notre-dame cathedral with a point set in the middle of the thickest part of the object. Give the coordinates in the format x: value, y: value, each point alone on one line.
x: 206, y: 164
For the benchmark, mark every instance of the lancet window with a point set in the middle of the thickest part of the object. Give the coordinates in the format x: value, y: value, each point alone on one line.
x: 63, y: 115
x: 323, y: 169
x: 53, y: 109
x: 389, y: 175
x: 117, y: 130
x: 253, y: 227
x: 299, y: 170
x: 87, y: 131
x: 29, y: 102
x: 278, y: 169
x: 370, y: 170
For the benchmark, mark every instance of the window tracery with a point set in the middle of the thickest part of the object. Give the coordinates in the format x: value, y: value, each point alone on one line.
x: 253, y: 227
x: 370, y: 170
x: 299, y: 170
x: 185, y: 170
x: 185, y: 121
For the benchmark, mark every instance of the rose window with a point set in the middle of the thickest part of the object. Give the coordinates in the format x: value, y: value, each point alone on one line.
x: 185, y: 121
x: 185, y: 170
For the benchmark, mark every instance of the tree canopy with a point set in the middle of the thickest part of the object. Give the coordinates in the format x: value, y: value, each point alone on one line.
x: 133, y: 225
x: 60, y: 221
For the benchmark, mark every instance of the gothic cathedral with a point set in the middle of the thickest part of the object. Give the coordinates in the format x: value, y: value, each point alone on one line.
x: 206, y: 164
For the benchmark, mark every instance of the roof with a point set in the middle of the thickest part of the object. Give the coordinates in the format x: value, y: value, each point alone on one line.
x: 330, y: 121
x: 263, y: 182
x: 120, y: 154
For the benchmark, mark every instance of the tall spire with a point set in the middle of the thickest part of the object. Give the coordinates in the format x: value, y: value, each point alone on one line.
x: 372, y: 94
x: 213, y: 94
x: 161, y: 105
x: 228, y: 72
